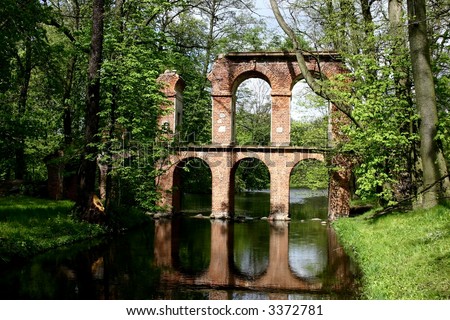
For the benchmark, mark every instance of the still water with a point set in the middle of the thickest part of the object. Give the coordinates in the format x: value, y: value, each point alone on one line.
x: 192, y: 258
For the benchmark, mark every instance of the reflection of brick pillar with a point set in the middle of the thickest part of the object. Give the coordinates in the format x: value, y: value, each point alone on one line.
x: 278, y: 271
x: 219, y: 272
x: 281, y: 120
x: 339, y: 263
x: 163, y: 244
x: 222, y: 120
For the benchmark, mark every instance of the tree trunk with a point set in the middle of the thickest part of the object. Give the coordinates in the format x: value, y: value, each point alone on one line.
x: 108, y: 181
x: 67, y: 117
x: 25, y: 73
x: 433, y: 164
x: 88, y: 165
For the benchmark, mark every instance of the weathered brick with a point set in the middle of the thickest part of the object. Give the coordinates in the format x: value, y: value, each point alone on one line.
x: 281, y: 71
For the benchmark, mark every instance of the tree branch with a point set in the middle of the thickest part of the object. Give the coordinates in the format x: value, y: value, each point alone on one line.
x: 315, y: 86
x: 60, y: 27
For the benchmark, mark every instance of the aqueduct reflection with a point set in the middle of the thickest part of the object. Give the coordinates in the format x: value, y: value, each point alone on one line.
x: 222, y: 270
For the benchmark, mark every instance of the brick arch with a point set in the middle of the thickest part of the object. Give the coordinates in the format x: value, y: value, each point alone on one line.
x: 241, y: 78
x: 311, y: 156
x: 280, y: 69
x: 250, y: 74
x: 299, y: 77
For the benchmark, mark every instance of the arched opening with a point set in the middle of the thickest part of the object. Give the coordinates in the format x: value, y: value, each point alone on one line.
x: 192, y: 187
x: 309, y: 190
x: 252, y: 105
x: 251, y: 180
x: 309, y: 117
x: 308, y: 207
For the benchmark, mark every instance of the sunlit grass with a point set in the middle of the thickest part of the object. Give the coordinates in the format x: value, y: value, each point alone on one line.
x: 30, y: 225
x: 401, y: 255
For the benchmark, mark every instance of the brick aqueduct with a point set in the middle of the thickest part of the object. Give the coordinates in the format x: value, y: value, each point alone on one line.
x: 281, y: 71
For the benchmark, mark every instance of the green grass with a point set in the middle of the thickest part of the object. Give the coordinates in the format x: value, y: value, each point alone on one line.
x: 400, y: 255
x: 29, y: 226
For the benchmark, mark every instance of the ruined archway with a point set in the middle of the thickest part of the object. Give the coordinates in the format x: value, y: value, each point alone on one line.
x: 310, y: 117
x: 172, y: 116
x: 252, y: 106
x: 309, y: 182
x: 281, y: 71
x: 250, y: 180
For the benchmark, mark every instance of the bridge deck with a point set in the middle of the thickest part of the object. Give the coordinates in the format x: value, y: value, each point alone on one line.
x: 251, y: 148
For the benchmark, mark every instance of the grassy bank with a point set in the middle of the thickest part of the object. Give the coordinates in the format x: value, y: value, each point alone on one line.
x: 401, y: 255
x: 29, y: 226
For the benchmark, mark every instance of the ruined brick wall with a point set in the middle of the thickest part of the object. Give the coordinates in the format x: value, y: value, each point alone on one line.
x: 172, y: 85
x: 223, y: 163
x: 279, y: 69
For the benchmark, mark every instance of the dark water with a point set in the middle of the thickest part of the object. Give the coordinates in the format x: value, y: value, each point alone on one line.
x: 190, y: 258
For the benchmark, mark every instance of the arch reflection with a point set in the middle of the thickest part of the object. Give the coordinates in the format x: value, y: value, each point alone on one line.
x: 281, y: 273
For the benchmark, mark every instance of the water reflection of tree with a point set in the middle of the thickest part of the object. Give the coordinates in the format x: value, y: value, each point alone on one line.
x: 251, y: 251
x: 194, y: 245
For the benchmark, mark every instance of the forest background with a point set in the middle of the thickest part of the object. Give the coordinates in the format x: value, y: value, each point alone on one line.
x: 78, y: 86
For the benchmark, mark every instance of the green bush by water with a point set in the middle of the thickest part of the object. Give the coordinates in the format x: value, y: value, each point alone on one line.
x: 29, y: 226
x: 401, y: 255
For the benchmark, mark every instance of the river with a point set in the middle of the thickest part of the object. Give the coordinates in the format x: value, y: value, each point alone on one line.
x: 193, y: 258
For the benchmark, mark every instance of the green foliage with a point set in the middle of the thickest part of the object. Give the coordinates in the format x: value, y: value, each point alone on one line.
x: 310, y: 134
x: 251, y: 174
x: 28, y: 86
x: 417, y: 241
x: 386, y: 138
x: 131, y: 104
x: 253, y: 107
x: 252, y: 128
x: 311, y: 174
x: 196, y: 177
x: 309, y: 118
x: 376, y: 91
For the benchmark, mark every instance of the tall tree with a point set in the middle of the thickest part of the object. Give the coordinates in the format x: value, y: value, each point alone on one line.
x: 21, y: 38
x: 378, y: 115
x: 89, y: 162
x: 434, y: 167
